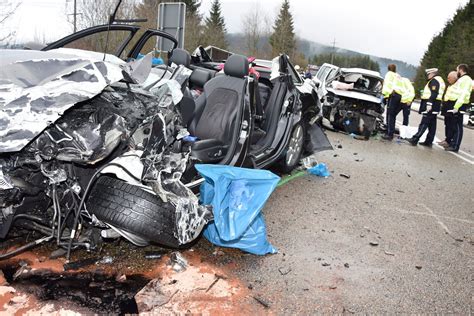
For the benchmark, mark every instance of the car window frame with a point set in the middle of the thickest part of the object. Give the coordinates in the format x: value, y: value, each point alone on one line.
x: 133, y: 29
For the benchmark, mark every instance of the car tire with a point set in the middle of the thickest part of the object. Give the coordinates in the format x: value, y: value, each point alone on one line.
x: 133, y: 210
x: 294, y: 150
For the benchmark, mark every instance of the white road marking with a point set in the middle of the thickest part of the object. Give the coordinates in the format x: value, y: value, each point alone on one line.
x: 437, y: 219
x: 465, y: 153
x: 457, y: 155
x: 432, y: 215
x: 453, y: 153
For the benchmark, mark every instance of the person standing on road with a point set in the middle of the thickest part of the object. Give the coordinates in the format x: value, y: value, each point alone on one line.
x: 407, y: 98
x: 392, y: 94
x: 429, y: 107
x: 449, y: 99
x: 464, y: 87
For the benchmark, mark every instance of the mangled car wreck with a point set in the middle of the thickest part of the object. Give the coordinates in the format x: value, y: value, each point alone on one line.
x: 351, y: 99
x: 65, y: 130
x: 93, y: 147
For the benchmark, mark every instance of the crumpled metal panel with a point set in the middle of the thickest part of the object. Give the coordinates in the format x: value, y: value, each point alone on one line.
x: 36, y: 88
x: 164, y: 168
x: 163, y: 174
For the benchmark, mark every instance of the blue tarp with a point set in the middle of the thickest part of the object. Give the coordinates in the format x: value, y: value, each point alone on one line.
x: 237, y: 196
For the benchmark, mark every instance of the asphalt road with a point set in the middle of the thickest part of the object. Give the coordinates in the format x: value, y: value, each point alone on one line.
x: 397, y: 236
x: 467, y: 145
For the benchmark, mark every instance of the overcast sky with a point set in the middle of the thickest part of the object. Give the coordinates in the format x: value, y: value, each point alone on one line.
x: 395, y: 29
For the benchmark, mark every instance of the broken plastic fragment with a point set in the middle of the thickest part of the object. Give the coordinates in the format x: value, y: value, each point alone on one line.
x: 178, y: 262
x: 168, y: 93
x: 309, y: 162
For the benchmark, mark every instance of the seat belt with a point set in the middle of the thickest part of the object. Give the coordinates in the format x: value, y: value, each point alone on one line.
x: 259, y: 112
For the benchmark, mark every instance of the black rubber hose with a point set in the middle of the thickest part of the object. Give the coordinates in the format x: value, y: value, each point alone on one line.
x: 81, y: 204
x: 31, y: 218
x: 24, y: 247
x: 38, y: 227
x: 84, y: 196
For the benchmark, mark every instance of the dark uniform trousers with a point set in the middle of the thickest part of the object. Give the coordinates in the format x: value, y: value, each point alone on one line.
x: 458, y: 119
x: 428, y: 121
x: 449, y: 121
x: 406, y: 113
x: 394, y: 107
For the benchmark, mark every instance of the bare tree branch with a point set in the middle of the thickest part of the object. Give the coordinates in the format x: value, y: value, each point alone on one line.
x: 4, y: 16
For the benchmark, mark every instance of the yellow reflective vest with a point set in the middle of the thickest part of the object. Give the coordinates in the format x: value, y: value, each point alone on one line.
x: 427, y: 92
x: 391, y: 83
x: 464, y: 86
x: 452, y: 93
x: 408, y: 91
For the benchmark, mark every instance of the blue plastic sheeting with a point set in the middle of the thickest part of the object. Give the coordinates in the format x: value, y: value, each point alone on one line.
x: 320, y: 170
x: 237, y: 196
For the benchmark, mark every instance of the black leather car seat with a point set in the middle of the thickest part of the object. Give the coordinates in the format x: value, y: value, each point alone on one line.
x: 217, y: 110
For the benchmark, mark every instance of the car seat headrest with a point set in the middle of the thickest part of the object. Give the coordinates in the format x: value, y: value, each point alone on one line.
x: 237, y: 66
x: 199, y: 77
x: 180, y: 57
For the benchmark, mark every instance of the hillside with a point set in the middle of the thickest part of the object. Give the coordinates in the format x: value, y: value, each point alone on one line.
x: 310, y: 48
x: 454, y: 45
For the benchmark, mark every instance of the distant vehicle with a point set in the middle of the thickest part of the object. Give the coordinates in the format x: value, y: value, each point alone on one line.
x: 351, y: 99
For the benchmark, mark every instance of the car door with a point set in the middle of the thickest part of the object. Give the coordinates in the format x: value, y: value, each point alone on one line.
x: 111, y: 39
x: 122, y: 40
x: 328, y: 72
x: 158, y: 42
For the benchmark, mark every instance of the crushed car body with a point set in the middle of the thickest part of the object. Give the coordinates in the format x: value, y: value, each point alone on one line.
x: 351, y: 99
x: 95, y: 147
x: 61, y: 129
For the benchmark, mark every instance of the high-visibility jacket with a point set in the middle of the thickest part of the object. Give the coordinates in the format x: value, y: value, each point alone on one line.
x: 408, y: 91
x: 452, y: 93
x: 439, y: 93
x: 464, y: 86
x: 392, y: 83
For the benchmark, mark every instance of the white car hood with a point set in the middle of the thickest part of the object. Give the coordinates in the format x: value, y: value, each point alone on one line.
x: 355, y: 95
x: 37, y: 87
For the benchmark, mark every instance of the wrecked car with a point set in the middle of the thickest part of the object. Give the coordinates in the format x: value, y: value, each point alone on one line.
x: 93, y: 147
x: 351, y: 99
x: 85, y: 152
x: 277, y: 103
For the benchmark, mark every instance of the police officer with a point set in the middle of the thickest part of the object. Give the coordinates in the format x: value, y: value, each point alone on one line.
x: 450, y: 97
x: 429, y: 107
x: 392, y: 93
x: 464, y: 87
x: 407, y: 98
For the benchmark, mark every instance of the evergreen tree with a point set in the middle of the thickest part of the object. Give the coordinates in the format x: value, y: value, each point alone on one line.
x: 215, y: 30
x: 347, y: 61
x: 192, y: 6
x: 283, y: 38
x: 453, y: 46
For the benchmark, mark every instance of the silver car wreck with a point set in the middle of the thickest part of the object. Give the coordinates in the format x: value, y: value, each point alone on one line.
x: 75, y: 127
x: 351, y: 99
